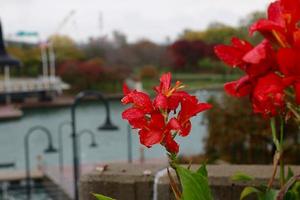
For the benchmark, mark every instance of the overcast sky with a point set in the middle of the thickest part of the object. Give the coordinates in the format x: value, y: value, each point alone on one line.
x: 153, y: 19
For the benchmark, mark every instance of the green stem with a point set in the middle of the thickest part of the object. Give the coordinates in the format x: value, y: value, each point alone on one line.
x: 274, y: 135
x: 282, y: 174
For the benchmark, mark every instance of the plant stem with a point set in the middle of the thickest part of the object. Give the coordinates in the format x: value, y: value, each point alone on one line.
x: 274, y: 135
x: 277, y: 153
x: 282, y: 174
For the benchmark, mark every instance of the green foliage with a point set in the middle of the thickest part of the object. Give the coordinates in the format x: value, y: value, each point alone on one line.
x: 194, y: 184
x: 102, y: 197
x: 239, y: 176
x: 290, y: 174
x: 262, y: 194
x: 221, y: 34
x: 65, y: 48
x: 236, y: 135
x: 294, y: 192
x: 208, y: 65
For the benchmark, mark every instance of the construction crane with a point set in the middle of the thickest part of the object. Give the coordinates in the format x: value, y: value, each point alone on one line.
x: 50, y: 43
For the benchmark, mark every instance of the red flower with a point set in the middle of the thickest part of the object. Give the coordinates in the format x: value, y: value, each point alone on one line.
x: 268, y: 95
x: 282, y: 23
x: 189, y: 108
x: 255, y: 61
x: 170, y: 144
x: 289, y: 66
x: 273, y: 65
x: 233, y: 55
x: 239, y: 88
x: 139, y: 100
x: 152, y: 117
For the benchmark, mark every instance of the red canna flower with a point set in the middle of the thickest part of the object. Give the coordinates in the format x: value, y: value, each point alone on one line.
x: 233, y: 55
x: 189, y: 108
x: 271, y: 66
x: 268, y: 96
x: 152, y: 118
x: 289, y: 66
x: 239, y: 88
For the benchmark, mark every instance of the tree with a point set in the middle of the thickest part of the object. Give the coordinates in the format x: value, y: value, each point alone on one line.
x: 65, y: 48
x: 185, y: 55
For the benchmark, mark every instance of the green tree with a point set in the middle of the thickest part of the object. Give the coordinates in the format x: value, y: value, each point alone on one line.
x: 65, y: 48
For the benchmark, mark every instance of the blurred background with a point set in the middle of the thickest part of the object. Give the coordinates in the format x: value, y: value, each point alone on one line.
x: 67, y: 46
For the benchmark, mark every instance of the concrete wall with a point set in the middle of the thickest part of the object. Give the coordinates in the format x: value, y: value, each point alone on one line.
x: 136, y: 182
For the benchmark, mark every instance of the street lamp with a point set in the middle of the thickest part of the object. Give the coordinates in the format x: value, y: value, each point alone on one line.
x: 106, y: 126
x: 49, y: 149
x: 60, y: 144
x: 93, y: 143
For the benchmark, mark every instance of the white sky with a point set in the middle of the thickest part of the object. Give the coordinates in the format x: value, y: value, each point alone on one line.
x: 153, y: 19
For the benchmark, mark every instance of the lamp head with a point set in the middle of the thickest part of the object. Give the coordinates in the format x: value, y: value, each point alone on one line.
x: 108, y: 126
x: 93, y: 145
x: 50, y: 149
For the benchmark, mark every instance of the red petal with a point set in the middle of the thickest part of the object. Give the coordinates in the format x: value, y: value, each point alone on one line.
x: 229, y: 55
x: 239, y: 88
x: 161, y: 101
x: 126, y: 89
x: 165, y: 82
x: 186, y: 129
x: 149, y: 138
x: 138, y: 123
x: 170, y: 144
x: 264, y: 25
x: 241, y: 44
x: 132, y: 113
x: 175, y: 99
x: 173, y: 124
x: 139, y: 99
x: 257, y: 54
x: 288, y: 62
x: 275, y: 13
x: 203, y: 106
x: 297, y: 38
x: 157, y: 121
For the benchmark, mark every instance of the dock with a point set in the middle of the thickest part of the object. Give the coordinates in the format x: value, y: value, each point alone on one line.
x: 8, y: 112
x: 14, y: 175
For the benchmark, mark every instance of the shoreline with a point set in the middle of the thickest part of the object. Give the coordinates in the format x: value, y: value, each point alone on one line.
x: 14, y: 111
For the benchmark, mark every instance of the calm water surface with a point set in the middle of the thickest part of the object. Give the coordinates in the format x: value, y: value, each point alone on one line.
x: 112, y: 145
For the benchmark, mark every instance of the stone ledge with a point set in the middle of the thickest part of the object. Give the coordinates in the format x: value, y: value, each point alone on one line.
x: 136, y: 181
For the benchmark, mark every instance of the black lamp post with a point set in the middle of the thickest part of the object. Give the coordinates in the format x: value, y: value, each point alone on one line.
x: 49, y: 149
x: 106, y: 126
x: 93, y: 143
x: 60, y: 144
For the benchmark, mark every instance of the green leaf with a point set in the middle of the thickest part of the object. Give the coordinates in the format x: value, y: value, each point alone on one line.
x: 290, y: 174
x: 290, y: 195
x: 194, y: 184
x: 296, y: 189
x: 239, y: 176
x: 202, y: 170
x: 102, y: 197
x: 249, y: 190
x: 268, y: 195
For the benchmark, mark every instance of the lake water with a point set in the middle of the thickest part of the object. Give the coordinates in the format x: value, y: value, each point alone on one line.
x: 112, y: 145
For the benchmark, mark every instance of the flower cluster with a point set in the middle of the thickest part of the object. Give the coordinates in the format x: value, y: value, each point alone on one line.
x: 273, y: 66
x: 153, y: 118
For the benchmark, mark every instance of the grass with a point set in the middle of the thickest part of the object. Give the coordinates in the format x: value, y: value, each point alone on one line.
x: 195, y: 81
